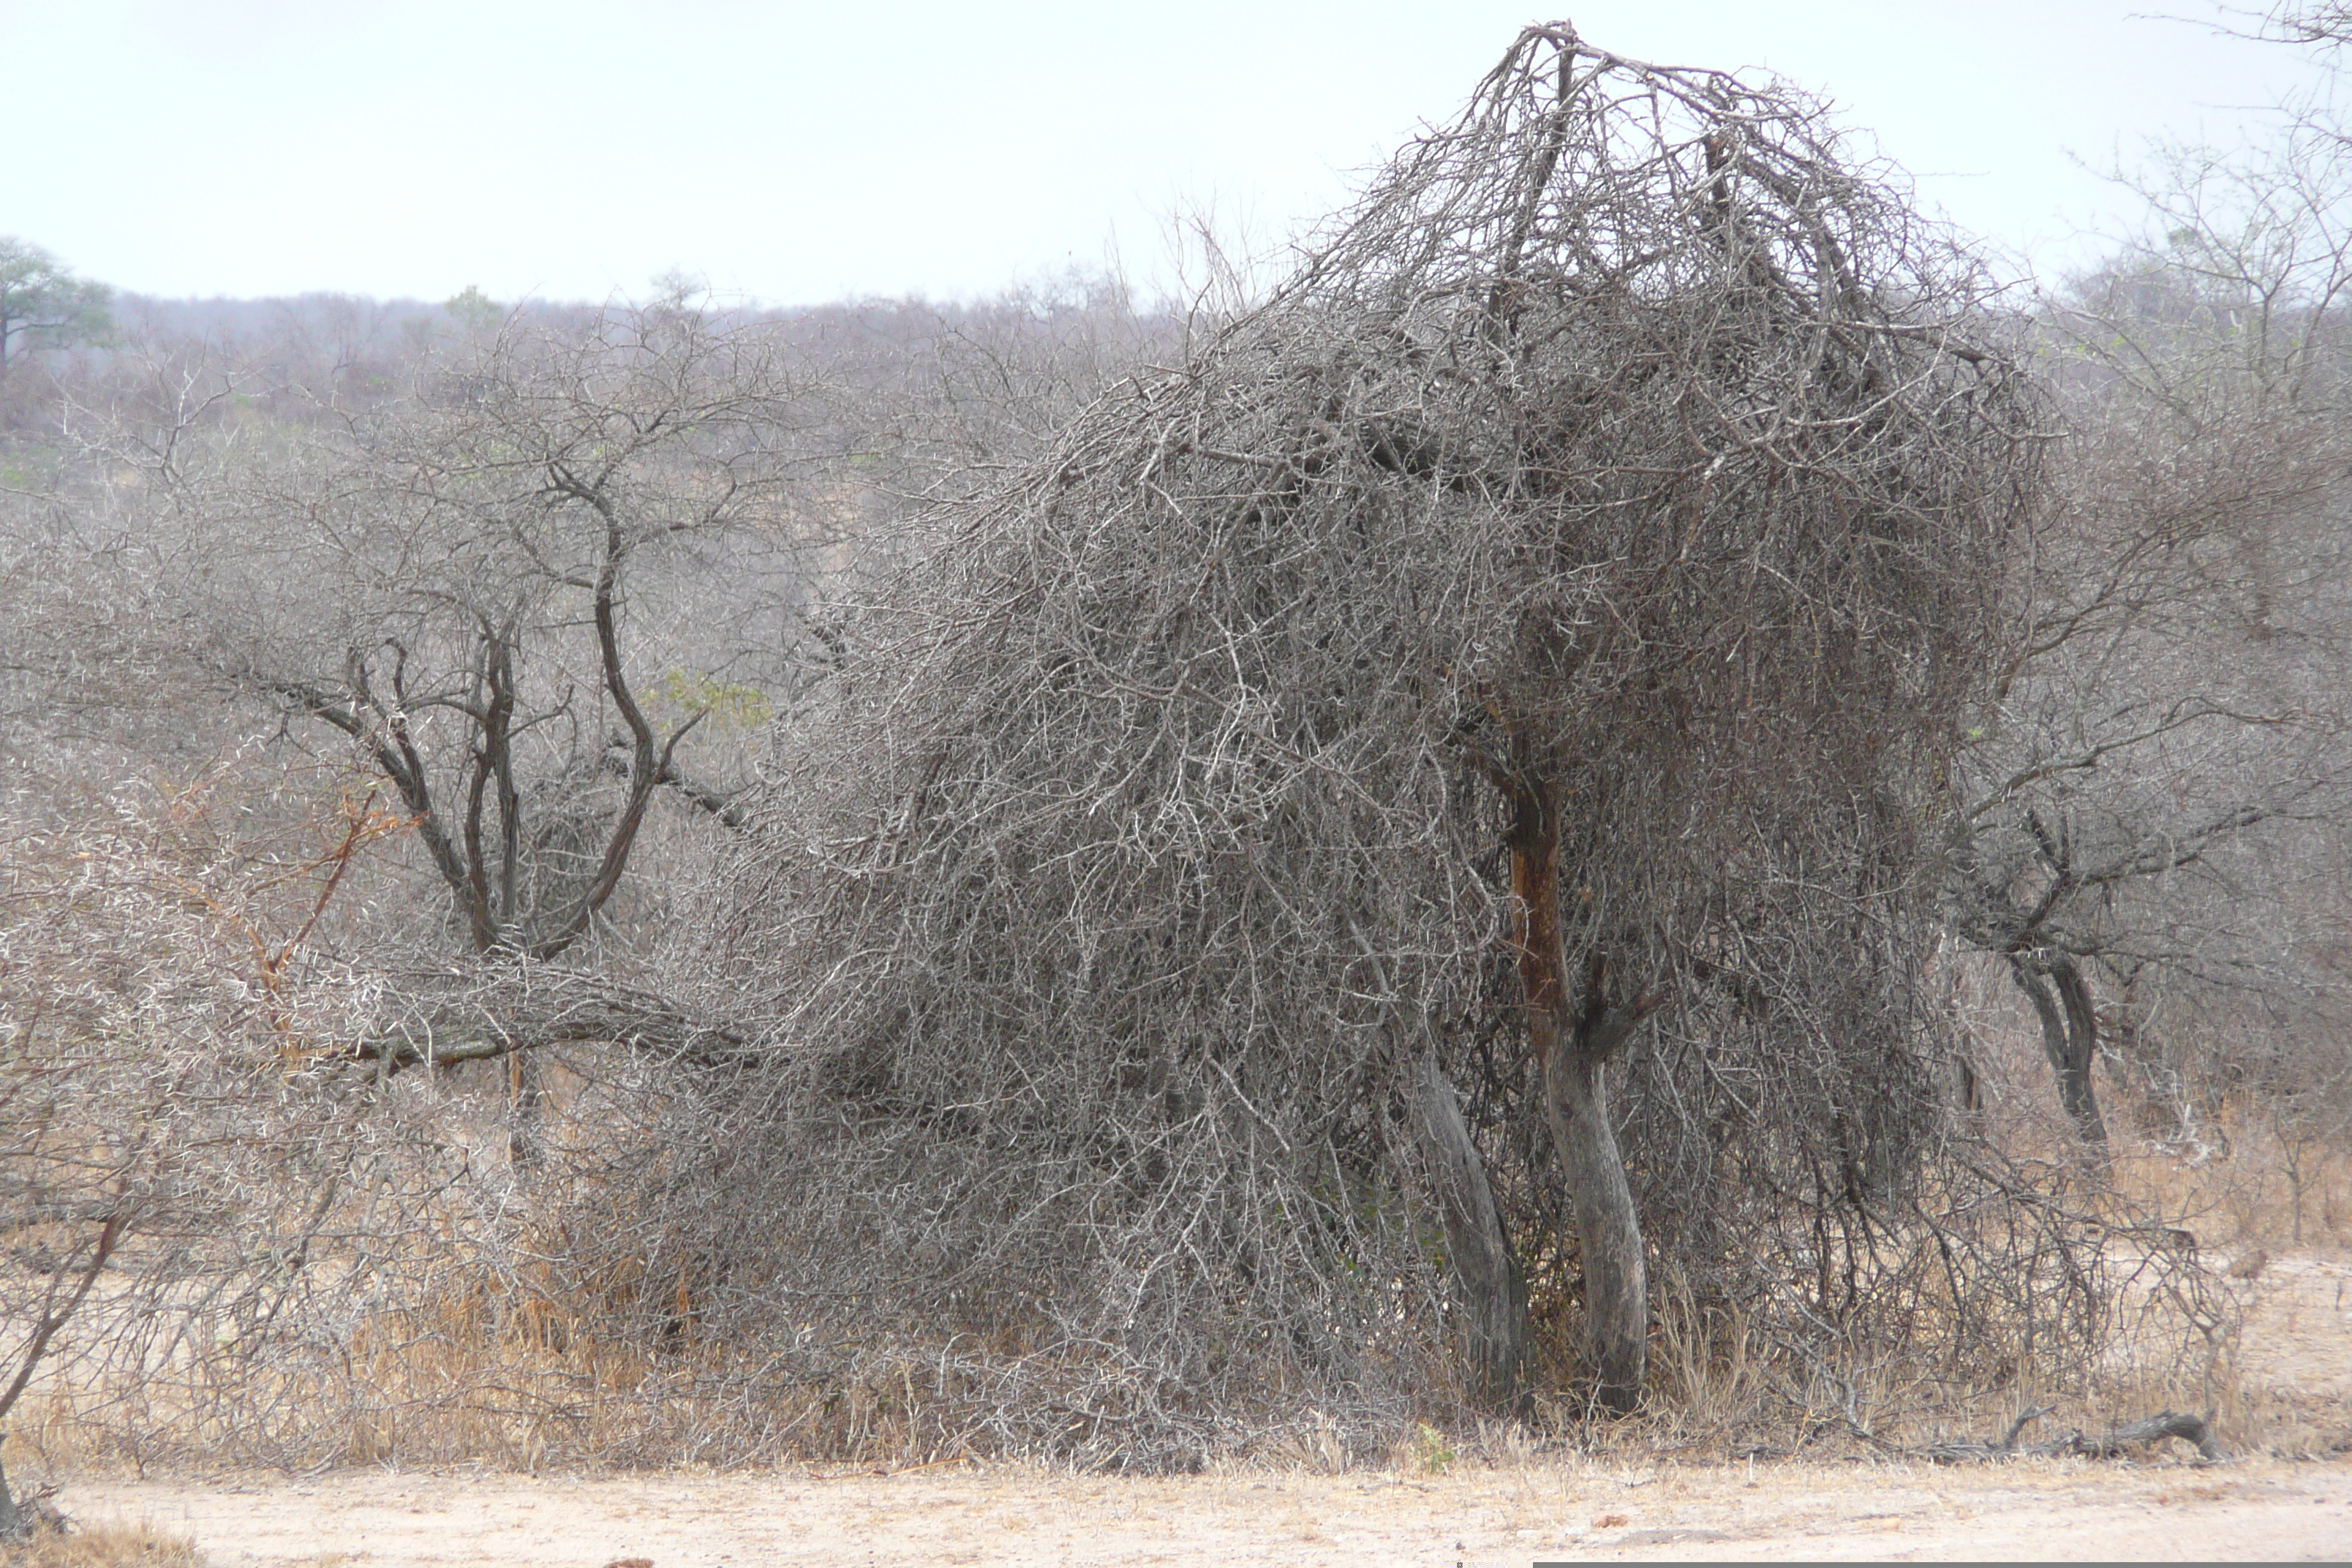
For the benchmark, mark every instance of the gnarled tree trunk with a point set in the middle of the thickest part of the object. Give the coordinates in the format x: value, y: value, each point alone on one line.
x: 1616, y: 1286
x: 1493, y: 1289
x: 1573, y: 1052
x: 2069, y: 1035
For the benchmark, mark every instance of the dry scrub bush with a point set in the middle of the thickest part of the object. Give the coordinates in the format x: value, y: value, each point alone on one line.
x: 165, y: 1167
x: 1627, y: 456
x: 2147, y: 816
x: 259, y: 1234
x: 324, y: 1255
x: 2148, y: 834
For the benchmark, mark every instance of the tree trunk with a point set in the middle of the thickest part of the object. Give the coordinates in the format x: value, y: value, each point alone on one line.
x: 1573, y: 1054
x: 2069, y: 1035
x: 523, y: 1131
x: 1493, y: 1290
x: 15, y: 1524
x: 1616, y: 1285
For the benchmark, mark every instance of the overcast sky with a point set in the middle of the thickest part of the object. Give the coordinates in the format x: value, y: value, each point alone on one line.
x: 798, y: 152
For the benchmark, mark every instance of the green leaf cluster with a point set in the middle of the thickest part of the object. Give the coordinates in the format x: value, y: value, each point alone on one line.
x: 731, y: 704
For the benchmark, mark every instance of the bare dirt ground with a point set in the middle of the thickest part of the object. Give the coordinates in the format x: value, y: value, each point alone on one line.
x: 2297, y: 1383
x: 2262, y: 1509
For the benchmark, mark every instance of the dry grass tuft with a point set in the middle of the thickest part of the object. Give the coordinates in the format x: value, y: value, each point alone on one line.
x: 2245, y: 1190
x: 140, y: 1545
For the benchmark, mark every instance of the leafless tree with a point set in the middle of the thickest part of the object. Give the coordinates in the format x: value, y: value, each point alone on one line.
x: 2167, y: 735
x: 2323, y: 24
x: 1332, y: 875
x: 167, y: 1157
x: 449, y: 580
x: 1545, y: 615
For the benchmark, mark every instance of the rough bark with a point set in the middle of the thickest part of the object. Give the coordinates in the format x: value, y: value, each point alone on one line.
x: 521, y: 1009
x: 2195, y: 1430
x: 1573, y: 1053
x: 2069, y: 1035
x: 1616, y: 1285
x: 1493, y: 1289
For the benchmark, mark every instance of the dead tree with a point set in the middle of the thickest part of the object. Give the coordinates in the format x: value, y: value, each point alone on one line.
x: 1580, y: 565
x: 479, y: 584
x: 2166, y: 727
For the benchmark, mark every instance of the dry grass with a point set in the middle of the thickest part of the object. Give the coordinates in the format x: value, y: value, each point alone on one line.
x: 140, y: 1545
x: 519, y: 1344
x: 520, y: 1371
x: 2238, y: 1194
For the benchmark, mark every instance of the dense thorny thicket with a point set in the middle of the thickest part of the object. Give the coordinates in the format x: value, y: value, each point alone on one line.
x: 1625, y: 451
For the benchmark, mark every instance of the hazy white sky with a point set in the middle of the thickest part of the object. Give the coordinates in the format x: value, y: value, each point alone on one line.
x: 800, y: 152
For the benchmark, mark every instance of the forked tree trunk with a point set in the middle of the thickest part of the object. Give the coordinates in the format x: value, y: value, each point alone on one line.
x: 1616, y: 1286
x: 2070, y: 1037
x: 1573, y: 1051
x: 1486, y: 1274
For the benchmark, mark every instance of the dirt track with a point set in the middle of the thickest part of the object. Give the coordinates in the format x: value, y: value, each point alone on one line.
x: 2261, y: 1510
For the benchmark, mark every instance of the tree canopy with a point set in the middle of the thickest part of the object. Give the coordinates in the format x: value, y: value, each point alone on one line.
x: 1575, y: 572
x: 43, y: 304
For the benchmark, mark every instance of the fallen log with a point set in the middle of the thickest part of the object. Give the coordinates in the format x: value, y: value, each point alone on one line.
x: 506, y: 1012
x: 2112, y: 1445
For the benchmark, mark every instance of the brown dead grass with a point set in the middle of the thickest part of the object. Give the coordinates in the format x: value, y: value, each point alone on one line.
x: 513, y: 1374
x: 1501, y: 1495
x: 140, y: 1545
x: 2243, y: 1200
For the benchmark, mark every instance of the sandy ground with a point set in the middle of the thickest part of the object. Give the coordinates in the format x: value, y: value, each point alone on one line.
x: 2264, y: 1509
x: 2299, y: 1381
